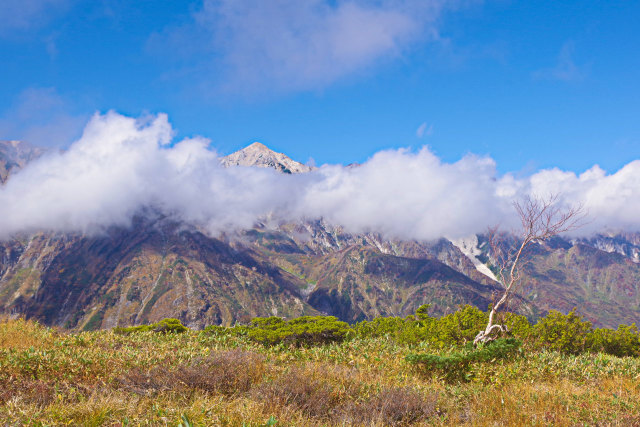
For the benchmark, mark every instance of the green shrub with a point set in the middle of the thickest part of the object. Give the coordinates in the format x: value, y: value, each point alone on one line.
x: 567, y: 334
x: 625, y: 341
x: 422, y: 313
x: 131, y: 329
x: 402, y: 330
x: 455, y: 329
x: 456, y: 366
x: 168, y: 325
x: 518, y: 326
x: 451, y: 330
x: 381, y: 327
x: 301, y: 331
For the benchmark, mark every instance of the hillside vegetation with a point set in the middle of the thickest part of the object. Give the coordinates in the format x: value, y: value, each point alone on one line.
x: 310, y: 371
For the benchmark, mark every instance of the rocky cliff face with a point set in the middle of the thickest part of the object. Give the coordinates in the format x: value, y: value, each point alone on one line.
x: 14, y: 155
x: 159, y: 268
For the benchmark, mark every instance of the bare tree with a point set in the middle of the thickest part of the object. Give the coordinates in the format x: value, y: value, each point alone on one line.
x: 541, y: 220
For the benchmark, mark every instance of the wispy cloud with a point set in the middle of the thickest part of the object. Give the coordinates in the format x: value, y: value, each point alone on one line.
x: 42, y: 117
x: 28, y: 14
x: 424, y: 130
x: 565, y: 69
x: 293, y: 45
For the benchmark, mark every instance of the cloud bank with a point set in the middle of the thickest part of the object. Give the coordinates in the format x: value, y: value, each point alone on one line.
x: 122, y: 166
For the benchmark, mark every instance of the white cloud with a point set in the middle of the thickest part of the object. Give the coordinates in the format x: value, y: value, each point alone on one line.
x: 612, y: 201
x: 409, y: 195
x: 121, y: 167
x: 41, y: 116
x: 290, y: 45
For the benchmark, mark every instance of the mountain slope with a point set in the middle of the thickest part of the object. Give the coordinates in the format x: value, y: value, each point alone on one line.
x: 141, y: 275
x: 603, y: 286
x: 356, y: 277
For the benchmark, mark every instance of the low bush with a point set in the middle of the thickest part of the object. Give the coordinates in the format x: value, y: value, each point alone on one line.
x: 456, y: 328
x: 392, y: 406
x: 447, y: 331
x: 168, y: 325
x: 568, y: 334
x: 20, y: 334
x: 625, y: 341
x: 518, y: 326
x: 227, y: 372
x: 383, y: 327
x: 402, y: 330
x: 302, y: 331
x: 456, y: 366
x: 300, y: 391
x: 321, y: 396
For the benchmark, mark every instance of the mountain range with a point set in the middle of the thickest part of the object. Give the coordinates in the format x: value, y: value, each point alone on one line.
x: 159, y: 267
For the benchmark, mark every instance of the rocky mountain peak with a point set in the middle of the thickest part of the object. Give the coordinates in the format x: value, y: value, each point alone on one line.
x: 258, y: 154
x: 258, y: 146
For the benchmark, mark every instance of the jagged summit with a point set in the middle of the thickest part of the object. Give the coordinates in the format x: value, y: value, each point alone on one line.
x: 258, y: 154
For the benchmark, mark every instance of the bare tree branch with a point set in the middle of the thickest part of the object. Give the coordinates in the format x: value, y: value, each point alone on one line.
x: 541, y: 219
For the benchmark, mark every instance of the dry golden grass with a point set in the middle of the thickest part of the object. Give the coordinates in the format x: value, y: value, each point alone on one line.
x: 19, y: 334
x: 100, y: 378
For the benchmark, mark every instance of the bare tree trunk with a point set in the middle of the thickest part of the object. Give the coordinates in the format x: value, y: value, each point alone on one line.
x: 541, y: 220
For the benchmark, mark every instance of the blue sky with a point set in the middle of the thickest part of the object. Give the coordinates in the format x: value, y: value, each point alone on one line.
x: 534, y: 85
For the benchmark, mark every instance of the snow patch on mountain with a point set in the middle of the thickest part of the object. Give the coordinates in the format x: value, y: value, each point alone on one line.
x: 625, y: 244
x: 469, y: 246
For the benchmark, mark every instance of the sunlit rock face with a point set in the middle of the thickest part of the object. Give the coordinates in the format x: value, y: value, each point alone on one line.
x: 259, y: 155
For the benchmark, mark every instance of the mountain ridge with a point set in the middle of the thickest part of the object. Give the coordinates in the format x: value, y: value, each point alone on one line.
x: 161, y: 268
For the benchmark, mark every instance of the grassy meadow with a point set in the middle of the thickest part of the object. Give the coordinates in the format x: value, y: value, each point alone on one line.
x: 211, y: 377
